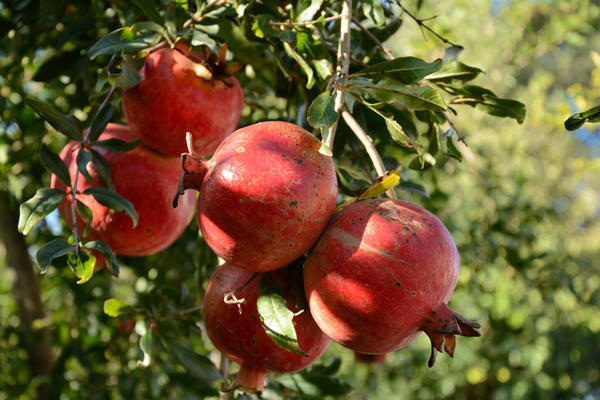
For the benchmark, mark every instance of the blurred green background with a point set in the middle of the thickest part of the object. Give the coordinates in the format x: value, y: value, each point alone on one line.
x: 523, y: 207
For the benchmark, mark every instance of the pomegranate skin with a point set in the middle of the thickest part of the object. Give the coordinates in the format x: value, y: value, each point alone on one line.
x: 242, y: 338
x: 265, y: 195
x: 145, y: 178
x: 382, y: 273
x: 171, y: 99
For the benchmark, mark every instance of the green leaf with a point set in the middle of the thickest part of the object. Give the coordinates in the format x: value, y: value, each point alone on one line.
x: 200, y: 38
x: 308, y: 13
x: 35, y: 209
x: 405, y: 70
x: 56, y: 165
x: 451, y: 150
x: 105, y: 249
x: 276, y: 318
x: 129, y: 76
x: 303, y: 64
x: 83, y: 158
x: 576, y: 120
x: 114, y: 201
x: 51, y: 250
x: 127, y: 39
x: 85, y: 212
x: 85, y: 268
x: 453, y: 72
x: 321, y: 113
x: 116, y: 308
x: 374, y: 10
x: 103, y: 167
x: 414, y: 187
x: 100, y: 121
x: 196, y: 364
x: 386, y: 91
x: 117, y: 145
x: 59, y: 121
x: 496, y: 106
x: 146, y: 342
x: 150, y: 10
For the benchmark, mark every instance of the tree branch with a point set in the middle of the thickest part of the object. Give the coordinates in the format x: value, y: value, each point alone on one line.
x: 369, y: 146
x: 421, y: 23
x: 387, y: 52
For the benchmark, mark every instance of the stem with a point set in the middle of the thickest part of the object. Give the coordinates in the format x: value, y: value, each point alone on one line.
x: 73, y: 212
x: 421, y: 23
x: 224, y: 369
x: 343, y: 63
x: 369, y: 146
x: 459, y: 137
x: 387, y: 52
x: 182, y: 313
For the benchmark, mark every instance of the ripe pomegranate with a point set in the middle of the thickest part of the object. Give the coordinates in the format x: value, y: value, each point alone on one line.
x: 181, y: 91
x: 144, y: 177
x: 381, y: 274
x: 242, y: 337
x: 265, y: 195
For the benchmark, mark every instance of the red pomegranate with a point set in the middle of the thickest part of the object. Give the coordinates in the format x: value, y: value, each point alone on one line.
x: 144, y: 177
x: 381, y: 274
x: 181, y: 91
x: 265, y: 196
x: 242, y: 337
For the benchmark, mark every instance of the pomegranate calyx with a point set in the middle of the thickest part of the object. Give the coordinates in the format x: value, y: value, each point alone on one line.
x: 250, y: 380
x: 194, y: 171
x: 442, y: 325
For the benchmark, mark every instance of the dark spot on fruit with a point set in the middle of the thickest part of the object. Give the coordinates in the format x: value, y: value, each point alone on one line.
x: 407, y: 240
x: 397, y: 284
x: 429, y: 225
x: 148, y: 230
x: 413, y: 293
x: 299, y: 161
x: 253, y: 341
x: 414, y: 235
x: 294, y: 203
x: 424, y: 218
x: 389, y: 213
x: 291, y: 245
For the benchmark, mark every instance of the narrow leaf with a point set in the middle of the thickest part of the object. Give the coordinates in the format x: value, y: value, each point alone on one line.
x: 114, y: 201
x: 105, y: 249
x: 309, y: 12
x: 321, y: 113
x: 85, y: 212
x: 374, y: 10
x: 150, y: 10
x: 59, y: 121
x: 35, y: 209
x: 117, y: 145
x: 129, y: 76
x: 576, y: 120
x: 405, y: 70
x: 103, y: 167
x: 276, y: 318
x: 128, y: 39
x: 100, y: 121
x: 116, y: 308
x: 308, y: 71
x: 386, y: 91
x: 82, y: 160
x: 496, y: 106
x: 55, y: 165
x: 453, y: 72
x: 85, y: 269
x: 197, y: 365
x: 51, y: 250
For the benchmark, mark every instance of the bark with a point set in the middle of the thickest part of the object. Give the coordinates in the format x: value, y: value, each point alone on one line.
x: 27, y: 293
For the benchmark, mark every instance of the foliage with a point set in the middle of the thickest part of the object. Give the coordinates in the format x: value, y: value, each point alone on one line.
x: 522, y: 206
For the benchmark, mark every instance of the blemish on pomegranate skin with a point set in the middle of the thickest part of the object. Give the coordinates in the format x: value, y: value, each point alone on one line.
x: 397, y: 284
x: 413, y: 293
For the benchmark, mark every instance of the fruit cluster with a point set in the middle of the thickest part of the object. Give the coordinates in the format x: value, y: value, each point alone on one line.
x: 375, y: 274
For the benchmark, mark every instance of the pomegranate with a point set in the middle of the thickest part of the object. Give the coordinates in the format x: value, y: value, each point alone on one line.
x: 381, y: 274
x: 265, y: 195
x: 144, y: 177
x: 242, y: 337
x: 181, y: 91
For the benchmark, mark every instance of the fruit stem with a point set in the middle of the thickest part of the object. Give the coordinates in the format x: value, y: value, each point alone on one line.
x: 441, y: 325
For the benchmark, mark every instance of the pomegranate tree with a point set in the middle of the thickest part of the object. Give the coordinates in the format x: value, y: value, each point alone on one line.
x: 265, y: 195
x: 381, y: 274
x: 144, y: 177
x: 181, y: 91
x: 240, y: 335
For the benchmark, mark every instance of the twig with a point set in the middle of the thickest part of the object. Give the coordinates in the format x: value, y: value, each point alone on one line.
x: 459, y: 137
x: 73, y: 212
x: 224, y: 369
x: 369, y: 146
x: 305, y: 23
x: 421, y: 23
x: 387, y: 52
x: 343, y: 63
